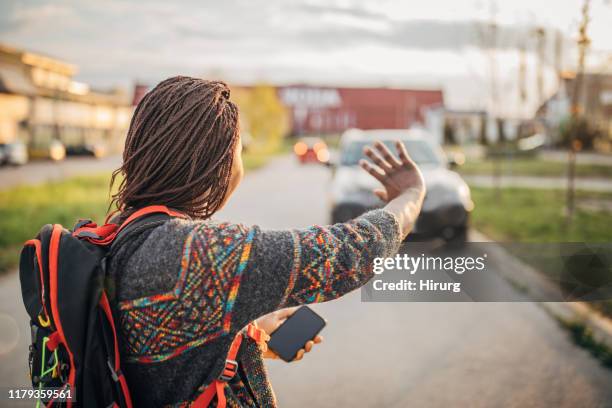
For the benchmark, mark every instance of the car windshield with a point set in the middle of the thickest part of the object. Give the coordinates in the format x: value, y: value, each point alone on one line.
x: 419, y: 151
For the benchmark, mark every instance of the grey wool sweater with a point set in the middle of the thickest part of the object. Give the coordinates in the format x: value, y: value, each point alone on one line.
x: 182, y: 290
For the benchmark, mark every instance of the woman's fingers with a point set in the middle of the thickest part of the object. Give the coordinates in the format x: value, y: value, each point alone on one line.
x: 403, y: 154
x: 307, y: 347
x: 299, y: 355
x: 376, y: 158
x: 386, y: 154
x: 374, y: 171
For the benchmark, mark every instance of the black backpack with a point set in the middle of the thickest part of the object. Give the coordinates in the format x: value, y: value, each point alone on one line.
x: 74, y: 356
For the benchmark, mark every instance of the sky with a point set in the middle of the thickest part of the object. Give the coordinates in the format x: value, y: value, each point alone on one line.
x: 417, y: 44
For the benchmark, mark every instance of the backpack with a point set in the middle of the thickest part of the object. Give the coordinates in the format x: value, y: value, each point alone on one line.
x: 74, y: 355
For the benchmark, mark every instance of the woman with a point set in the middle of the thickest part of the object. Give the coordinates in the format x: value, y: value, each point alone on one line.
x: 184, y: 289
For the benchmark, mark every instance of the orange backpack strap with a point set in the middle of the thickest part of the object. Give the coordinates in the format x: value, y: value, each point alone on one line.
x: 217, y: 387
x: 152, y: 209
x: 106, y: 234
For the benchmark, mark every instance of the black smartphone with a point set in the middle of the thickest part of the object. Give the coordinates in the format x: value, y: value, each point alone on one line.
x: 292, y: 335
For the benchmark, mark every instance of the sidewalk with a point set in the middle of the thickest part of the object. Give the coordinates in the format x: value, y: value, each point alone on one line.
x: 590, y: 184
x: 581, y: 157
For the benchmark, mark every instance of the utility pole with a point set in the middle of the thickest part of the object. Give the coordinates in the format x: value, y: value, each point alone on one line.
x: 583, y: 44
x: 494, y: 106
x: 522, y: 78
x: 541, y: 50
x: 559, y: 55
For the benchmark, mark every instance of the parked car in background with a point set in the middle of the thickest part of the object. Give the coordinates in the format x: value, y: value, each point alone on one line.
x: 311, y: 150
x: 47, y: 149
x: 15, y: 153
x: 448, y: 202
x: 87, y: 149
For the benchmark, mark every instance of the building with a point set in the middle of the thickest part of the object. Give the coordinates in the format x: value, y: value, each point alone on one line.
x: 595, y: 104
x: 325, y: 110
x: 41, y: 104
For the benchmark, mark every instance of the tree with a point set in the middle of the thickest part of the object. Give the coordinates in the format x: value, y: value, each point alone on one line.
x: 449, y: 134
x: 482, y: 136
x: 578, y: 129
x: 263, y: 115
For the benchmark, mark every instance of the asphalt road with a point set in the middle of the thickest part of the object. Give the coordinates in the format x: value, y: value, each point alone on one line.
x: 39, y: 171
x: 388, y: 354
x: 417, y: 354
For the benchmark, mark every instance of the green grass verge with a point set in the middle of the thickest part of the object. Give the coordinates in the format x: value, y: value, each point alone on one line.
x: 24, y: 209
x: 531, y: 215
x: 533, y: 167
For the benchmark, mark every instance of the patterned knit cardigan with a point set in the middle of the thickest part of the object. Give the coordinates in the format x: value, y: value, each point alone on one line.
x: 184, y: 289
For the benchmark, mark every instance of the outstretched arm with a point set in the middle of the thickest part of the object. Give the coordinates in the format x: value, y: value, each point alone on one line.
x: 321, y: 263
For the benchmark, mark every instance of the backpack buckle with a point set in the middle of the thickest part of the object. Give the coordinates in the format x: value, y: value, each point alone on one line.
x: 82, y: 223
x: 88, y: 234
x: 114, y: 374
x: 229, y: 371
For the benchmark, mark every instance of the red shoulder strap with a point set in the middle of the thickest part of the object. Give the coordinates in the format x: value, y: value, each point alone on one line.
x: 152, y: 209
x: 105, y: 234
x: 217, y: 387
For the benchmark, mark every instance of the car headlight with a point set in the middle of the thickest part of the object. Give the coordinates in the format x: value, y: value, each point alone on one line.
x: 466, y: 197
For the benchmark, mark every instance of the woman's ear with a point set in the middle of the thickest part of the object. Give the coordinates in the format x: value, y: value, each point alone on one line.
x: 237, y: 172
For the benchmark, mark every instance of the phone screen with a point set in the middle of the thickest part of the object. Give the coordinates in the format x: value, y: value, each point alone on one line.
x: 293, y: 334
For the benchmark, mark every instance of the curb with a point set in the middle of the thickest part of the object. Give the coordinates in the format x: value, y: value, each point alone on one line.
x: 599, y: 326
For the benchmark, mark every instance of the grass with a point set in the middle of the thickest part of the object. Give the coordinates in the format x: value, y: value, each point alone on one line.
x: 537, y: 216
x: 25, y: 209
x: 533, y: 215
x: 533, y: 167
x: 583, y: 336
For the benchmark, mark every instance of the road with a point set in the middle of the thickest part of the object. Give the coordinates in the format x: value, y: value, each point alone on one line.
x: 389, y: 354
x: 40, y: 171
x: 417, y: 354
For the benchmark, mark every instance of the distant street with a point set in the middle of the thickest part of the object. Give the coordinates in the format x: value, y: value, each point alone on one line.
x: 39, y: 171
x: 538, y: 182
x: 388, y: 354
x: 581, y: 158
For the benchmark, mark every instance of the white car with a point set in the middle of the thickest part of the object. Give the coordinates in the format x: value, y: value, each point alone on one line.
x: 15, y: 153
x: 448, y: 201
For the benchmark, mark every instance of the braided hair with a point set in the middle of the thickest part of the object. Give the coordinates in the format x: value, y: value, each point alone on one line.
x: 179, y: 148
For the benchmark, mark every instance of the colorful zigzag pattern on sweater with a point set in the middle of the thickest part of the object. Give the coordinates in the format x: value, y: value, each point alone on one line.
x: 199, y: 307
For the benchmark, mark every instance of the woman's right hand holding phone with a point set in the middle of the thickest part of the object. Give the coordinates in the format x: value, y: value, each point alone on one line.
x: 272, y: 321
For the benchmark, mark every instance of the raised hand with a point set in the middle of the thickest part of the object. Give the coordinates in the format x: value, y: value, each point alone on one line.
x: 396, y: 175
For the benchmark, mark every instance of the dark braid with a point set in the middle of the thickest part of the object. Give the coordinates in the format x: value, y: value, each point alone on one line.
x: 179, y: 148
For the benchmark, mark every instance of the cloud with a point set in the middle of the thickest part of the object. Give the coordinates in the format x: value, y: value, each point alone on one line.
x: 329, y: 41
x: 18, y: 16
